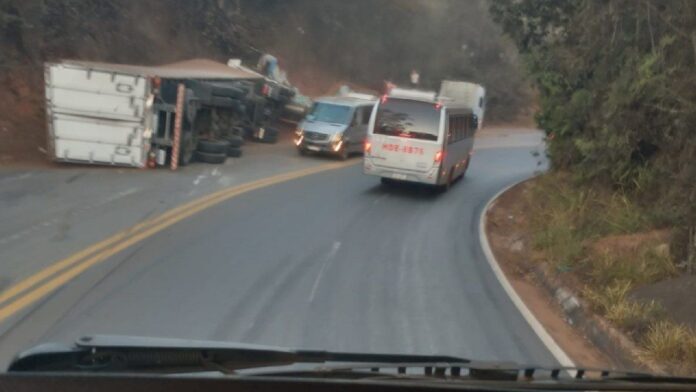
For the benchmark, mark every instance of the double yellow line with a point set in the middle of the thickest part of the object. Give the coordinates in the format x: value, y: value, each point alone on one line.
x: 33, y: 288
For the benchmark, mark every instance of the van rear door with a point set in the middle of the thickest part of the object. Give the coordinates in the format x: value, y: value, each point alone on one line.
x: 407, y: 135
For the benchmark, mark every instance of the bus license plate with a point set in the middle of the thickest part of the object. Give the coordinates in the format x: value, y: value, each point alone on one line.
x: 398, y: 176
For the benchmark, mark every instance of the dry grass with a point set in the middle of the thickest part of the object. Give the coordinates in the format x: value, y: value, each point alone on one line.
x: 613, y: 303
x: 603, y: 240
x: 639, y: 267
x: 673, y: 344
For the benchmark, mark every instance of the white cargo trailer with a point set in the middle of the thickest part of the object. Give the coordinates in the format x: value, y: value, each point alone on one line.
x: 98, y: 115
x: 114, y: 114
x: 470, y: 94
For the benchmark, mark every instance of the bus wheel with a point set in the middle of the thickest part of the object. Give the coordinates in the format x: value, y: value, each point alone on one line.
x: 466, y: 166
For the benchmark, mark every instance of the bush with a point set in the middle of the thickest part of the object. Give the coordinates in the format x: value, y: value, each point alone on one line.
x: 617, y: 96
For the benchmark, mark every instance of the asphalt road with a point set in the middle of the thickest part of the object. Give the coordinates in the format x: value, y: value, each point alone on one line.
x: 330, y: 261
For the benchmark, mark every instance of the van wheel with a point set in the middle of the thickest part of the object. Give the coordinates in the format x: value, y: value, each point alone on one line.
x: 343, y: 153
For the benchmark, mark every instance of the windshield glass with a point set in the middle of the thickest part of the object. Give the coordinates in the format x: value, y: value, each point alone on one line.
x: 330, y: 113
x: 321, y: 175
x: 409, y: 119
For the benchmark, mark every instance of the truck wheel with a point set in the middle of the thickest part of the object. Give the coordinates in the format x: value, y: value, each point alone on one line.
x: 238, y: 131
x: 268, y: 135
x: 210, y: 157
x: 213, y: 146
x: 248, y: 132
x: 234, y: 152
x: 188, y: 146
x: 235, y: 141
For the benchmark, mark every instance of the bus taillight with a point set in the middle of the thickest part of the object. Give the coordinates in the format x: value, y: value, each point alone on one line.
x: 439, y: 156
x: 368, y: 147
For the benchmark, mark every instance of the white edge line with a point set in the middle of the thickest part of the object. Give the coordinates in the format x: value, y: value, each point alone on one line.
x: 560, y: 355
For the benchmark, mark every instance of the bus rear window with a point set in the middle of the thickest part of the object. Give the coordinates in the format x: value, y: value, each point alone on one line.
x: 408, y: 119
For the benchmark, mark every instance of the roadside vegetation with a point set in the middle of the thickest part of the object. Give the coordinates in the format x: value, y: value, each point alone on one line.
x: 605, y: 246
x: 618, y: 102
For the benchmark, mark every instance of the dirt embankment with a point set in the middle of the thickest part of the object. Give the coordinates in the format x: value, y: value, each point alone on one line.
x: 616, y: 302
x: 22, y: 119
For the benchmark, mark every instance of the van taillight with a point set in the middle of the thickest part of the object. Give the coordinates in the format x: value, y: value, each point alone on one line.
x: 439, y: 156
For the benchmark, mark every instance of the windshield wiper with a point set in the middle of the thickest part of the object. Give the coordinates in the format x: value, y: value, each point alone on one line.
x: 117, y: 354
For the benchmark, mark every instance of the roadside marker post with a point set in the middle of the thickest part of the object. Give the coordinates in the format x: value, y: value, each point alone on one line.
x: 178, y: 119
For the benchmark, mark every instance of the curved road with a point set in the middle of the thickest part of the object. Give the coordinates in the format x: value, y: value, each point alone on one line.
x: 331, y: 261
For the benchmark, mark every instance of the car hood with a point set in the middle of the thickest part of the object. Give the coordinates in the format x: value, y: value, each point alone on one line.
x: 322, y: 127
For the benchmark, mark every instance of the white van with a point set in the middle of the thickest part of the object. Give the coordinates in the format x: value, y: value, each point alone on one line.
x: 335, y: 125
x: 413, y: 136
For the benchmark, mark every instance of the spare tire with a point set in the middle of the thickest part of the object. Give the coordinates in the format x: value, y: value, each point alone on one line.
x: 186, y: 149
x: 235, y: 141
x: 234, y: 152
x: 210, y: 157
x: 213, y: 146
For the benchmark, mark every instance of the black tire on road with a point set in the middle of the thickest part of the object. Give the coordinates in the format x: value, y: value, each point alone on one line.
x: 211, y: 157
x: 234, y: 152
x: 187, y: 148
x: 386, y: 181
x: 235, y: 141
x: 213, y: 146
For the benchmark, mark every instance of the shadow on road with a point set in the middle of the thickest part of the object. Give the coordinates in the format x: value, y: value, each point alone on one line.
x: 406, y: 190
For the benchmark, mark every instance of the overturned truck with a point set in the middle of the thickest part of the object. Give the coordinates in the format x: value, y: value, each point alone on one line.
x: 116, y: 114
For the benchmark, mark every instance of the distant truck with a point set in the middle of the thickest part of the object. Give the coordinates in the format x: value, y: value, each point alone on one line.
x: 116, y: 114
x: 470, y: 94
